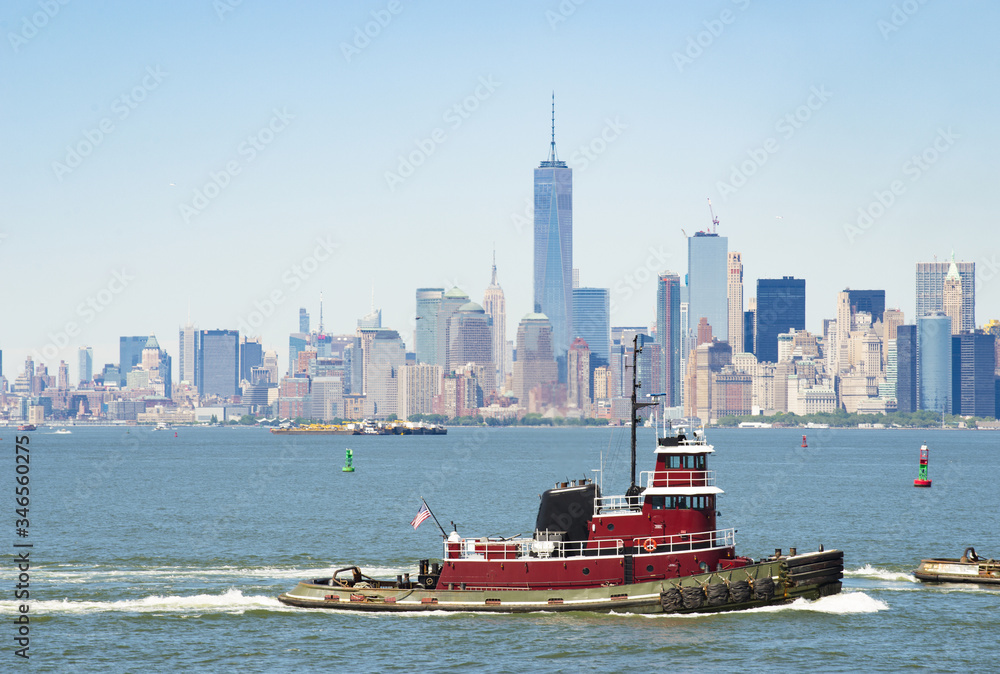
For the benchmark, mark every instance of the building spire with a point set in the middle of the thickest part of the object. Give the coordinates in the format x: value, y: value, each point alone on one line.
x: 552, y: 151
x: 321, y: 312
x: 493, y: 282
x: 953, y: 268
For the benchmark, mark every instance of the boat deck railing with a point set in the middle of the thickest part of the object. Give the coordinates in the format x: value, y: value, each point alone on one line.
x: 499, y: 549
x: 518, y: 548
x: 677, y: 478
x: 604, y: 505
x: 699, y: 540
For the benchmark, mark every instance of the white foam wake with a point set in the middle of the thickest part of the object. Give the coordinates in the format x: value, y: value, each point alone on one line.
x: 869, y: 571
x: 96, y: 575
x: 841, y: 604
x: 231, y: 601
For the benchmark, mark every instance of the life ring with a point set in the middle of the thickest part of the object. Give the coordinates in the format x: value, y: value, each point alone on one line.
x: 649, y: 545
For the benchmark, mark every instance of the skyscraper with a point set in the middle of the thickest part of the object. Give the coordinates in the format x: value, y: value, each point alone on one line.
x: 934, y: 362
x: 592, y: 322
x: 734, y: 290
x: 251, y: 356
x: 425, y: 338
x: 303, y: 320
x: 218, y: 362
x: 553, y: 245
x: 906, y: 368
x: 130, y: 355
x: 385, y: 355
x: 708, y: 296
x: 951, y: 296
x: 973, y: 364
x: 750, y: 327
x: 578, y: 375
x: 85, y: 367
x: 297, y: 342
x: 535, y: 364
x: 930, y: 290
x: 496, y: 308
x: 668, y: 334
x: 872, y: 301
x: 451, y: 301
x: 186, y: 349
x: 470, y: 332
x: 781, y: 305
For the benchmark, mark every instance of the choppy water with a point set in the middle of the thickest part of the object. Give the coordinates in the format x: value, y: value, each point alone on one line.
x: 157, y: 553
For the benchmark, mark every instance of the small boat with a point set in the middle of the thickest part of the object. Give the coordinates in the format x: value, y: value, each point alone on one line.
x: 655, y: 549
x: 63, y: 431
x: 26, y: 427
x: 969, y: 568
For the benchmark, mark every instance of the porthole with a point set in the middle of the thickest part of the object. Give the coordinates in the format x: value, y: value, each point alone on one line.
x: 586, y: 571
x: 611, y: 527
x: 649, y: 567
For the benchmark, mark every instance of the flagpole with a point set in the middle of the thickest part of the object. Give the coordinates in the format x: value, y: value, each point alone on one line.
x: 434, y: 516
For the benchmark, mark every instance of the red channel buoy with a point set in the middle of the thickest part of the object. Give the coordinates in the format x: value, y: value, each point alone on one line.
x: 804, y: 441
x: 922, y: 480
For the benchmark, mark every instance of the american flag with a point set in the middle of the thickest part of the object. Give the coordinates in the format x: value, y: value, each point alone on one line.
x: 422, y: 514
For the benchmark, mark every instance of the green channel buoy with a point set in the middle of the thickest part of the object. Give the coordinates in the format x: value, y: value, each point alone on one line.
x: 348, y: 462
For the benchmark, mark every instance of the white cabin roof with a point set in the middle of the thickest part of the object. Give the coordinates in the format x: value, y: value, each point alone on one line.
x: 680, y: 491
x: 685, y: 449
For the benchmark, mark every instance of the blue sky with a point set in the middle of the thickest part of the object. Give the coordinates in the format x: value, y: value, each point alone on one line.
x: 790, y: 116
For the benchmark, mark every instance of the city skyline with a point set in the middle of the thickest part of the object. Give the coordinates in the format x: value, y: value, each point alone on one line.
x: 782, y: 167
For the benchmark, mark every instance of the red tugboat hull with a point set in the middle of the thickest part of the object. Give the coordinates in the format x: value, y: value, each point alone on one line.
x: 772, y: 581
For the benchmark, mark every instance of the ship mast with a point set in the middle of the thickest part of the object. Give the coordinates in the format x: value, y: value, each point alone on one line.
x: 633, y: 489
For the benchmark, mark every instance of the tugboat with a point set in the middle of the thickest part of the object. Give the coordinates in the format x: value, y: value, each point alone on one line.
x: 969, y: 568
x: 655, y: 549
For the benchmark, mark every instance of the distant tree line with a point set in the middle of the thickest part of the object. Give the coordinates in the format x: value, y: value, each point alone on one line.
x: 840, y: 418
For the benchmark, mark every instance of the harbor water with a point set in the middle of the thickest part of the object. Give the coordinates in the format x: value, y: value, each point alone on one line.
x: 155, y: 552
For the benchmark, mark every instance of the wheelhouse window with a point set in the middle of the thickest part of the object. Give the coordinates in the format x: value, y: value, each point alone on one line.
x: 690, y: 502
x: 688, y: 461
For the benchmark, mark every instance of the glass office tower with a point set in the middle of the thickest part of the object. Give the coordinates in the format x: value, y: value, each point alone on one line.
x: 934, y: 362
x: 218, y: 358
x: 668, y: 333
x: 906, y: 368
x: 708, y: 282
x: 592, y: 322
x: 553, y: 248
x: 781, y: 305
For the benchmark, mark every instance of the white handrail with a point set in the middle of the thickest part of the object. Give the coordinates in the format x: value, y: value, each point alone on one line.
x: 677, y: 478
x: 490, y: 549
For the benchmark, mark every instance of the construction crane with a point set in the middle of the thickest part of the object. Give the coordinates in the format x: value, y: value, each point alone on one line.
x: 715, y: 220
